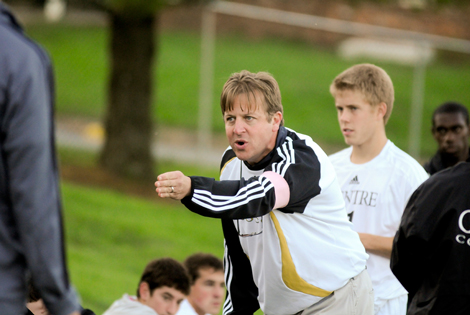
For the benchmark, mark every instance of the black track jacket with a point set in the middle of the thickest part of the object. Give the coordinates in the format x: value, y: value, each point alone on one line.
x: 431, y: 250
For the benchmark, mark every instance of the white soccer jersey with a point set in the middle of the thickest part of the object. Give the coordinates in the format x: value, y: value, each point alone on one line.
x: 289, y: 258
x: 129, y: 305
x: 376, y: 194
x: 186, y: 309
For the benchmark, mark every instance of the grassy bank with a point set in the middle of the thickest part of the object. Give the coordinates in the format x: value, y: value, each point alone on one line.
x: 111, y: 235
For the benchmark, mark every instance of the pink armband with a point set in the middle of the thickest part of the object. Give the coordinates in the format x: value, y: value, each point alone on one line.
x: 281, y: 189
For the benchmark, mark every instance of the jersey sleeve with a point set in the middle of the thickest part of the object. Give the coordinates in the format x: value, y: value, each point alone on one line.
x: 231, y: 199
x: 298, y: 168
x: 299, y: 165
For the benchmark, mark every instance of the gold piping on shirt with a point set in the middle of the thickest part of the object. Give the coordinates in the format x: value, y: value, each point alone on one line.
x: 226, y: 165
x: 289, y: 275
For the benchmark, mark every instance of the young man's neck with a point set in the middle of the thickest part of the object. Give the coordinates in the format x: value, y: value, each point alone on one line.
x: 368, y: 151
x: 196, y: 309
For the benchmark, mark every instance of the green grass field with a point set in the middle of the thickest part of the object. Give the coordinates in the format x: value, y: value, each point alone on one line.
x: 303, y: 71
x: 110, y: 236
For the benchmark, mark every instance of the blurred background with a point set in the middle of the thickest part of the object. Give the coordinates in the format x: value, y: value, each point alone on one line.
x: 137, y: 94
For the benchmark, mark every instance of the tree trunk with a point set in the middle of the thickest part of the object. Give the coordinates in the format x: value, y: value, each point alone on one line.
x: 128, y: 125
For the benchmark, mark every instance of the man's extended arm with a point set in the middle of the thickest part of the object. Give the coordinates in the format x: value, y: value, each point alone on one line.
x: 231, y: 199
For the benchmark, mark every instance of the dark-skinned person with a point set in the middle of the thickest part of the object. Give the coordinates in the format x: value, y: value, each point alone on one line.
x: 450, y: 129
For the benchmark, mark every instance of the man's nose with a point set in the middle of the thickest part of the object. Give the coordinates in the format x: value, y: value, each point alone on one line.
x: 219, y: 291
x: 172, y: 308
x: 239, y: 127
x: 343, y: 116
x: 449, y: 136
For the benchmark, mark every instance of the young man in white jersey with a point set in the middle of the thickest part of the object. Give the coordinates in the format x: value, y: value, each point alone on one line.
x: 375, y: 176
x: 206, y: 274
x: 289, y: 247
x: 163, y: 286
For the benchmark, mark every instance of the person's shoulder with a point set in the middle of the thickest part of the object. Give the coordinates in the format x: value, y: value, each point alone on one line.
x: 186, y: 309
x: 15, y: 41
x: 298, y: 137
x: 450, y: 184
x: 303, y: 142
x: 17, y: 47
x: 228, y: 157
x: 399, y: 157
x: 452, y: 175
x: 340, y: 156
x: 128, y: 305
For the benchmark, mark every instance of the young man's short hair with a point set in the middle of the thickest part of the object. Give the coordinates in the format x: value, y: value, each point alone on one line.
x: 165, y: 272
x: 198, y: 261
x: 450, y: 108
x: 372, y: 81
x: 250, y: 84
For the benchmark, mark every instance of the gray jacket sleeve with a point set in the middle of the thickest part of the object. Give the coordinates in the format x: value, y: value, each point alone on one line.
x: 30, y: 197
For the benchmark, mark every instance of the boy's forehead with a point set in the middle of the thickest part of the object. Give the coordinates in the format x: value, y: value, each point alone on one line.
x: 351, y: 94
x: 169, y: 290
x: 449, y: 119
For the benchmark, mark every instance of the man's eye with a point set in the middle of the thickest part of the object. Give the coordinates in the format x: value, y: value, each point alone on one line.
x: 441, y: 130
x: 457, y: 129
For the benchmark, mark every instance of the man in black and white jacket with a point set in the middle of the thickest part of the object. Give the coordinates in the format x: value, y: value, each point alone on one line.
x: 289, y: 246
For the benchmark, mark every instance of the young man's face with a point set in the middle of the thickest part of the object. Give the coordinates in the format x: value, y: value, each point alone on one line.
x: 358, y: 120
x: 164, y: 300
x: 248, y: 130
x: 451, y: 133
x: 207, y: 292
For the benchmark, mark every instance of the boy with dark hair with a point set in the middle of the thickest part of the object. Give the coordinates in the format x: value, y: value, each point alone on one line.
x: 450, y: 129
x: 164, y: 284
x: 206, y: 273
x: 375, y: 176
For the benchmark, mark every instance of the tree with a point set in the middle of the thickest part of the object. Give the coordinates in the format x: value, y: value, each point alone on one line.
x: 128, y: 122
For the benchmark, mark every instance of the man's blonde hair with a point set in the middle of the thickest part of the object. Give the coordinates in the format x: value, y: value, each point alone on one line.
x: 372, y: 81
x: 252, y: 84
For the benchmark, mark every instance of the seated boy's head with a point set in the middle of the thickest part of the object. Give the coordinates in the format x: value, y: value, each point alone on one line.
x: 164, y: 284
x: 206, y: 272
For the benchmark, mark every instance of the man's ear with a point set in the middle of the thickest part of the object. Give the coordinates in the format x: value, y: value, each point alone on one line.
x: 382, y: 110
x: 144, y: 291
x: 277, y: 118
